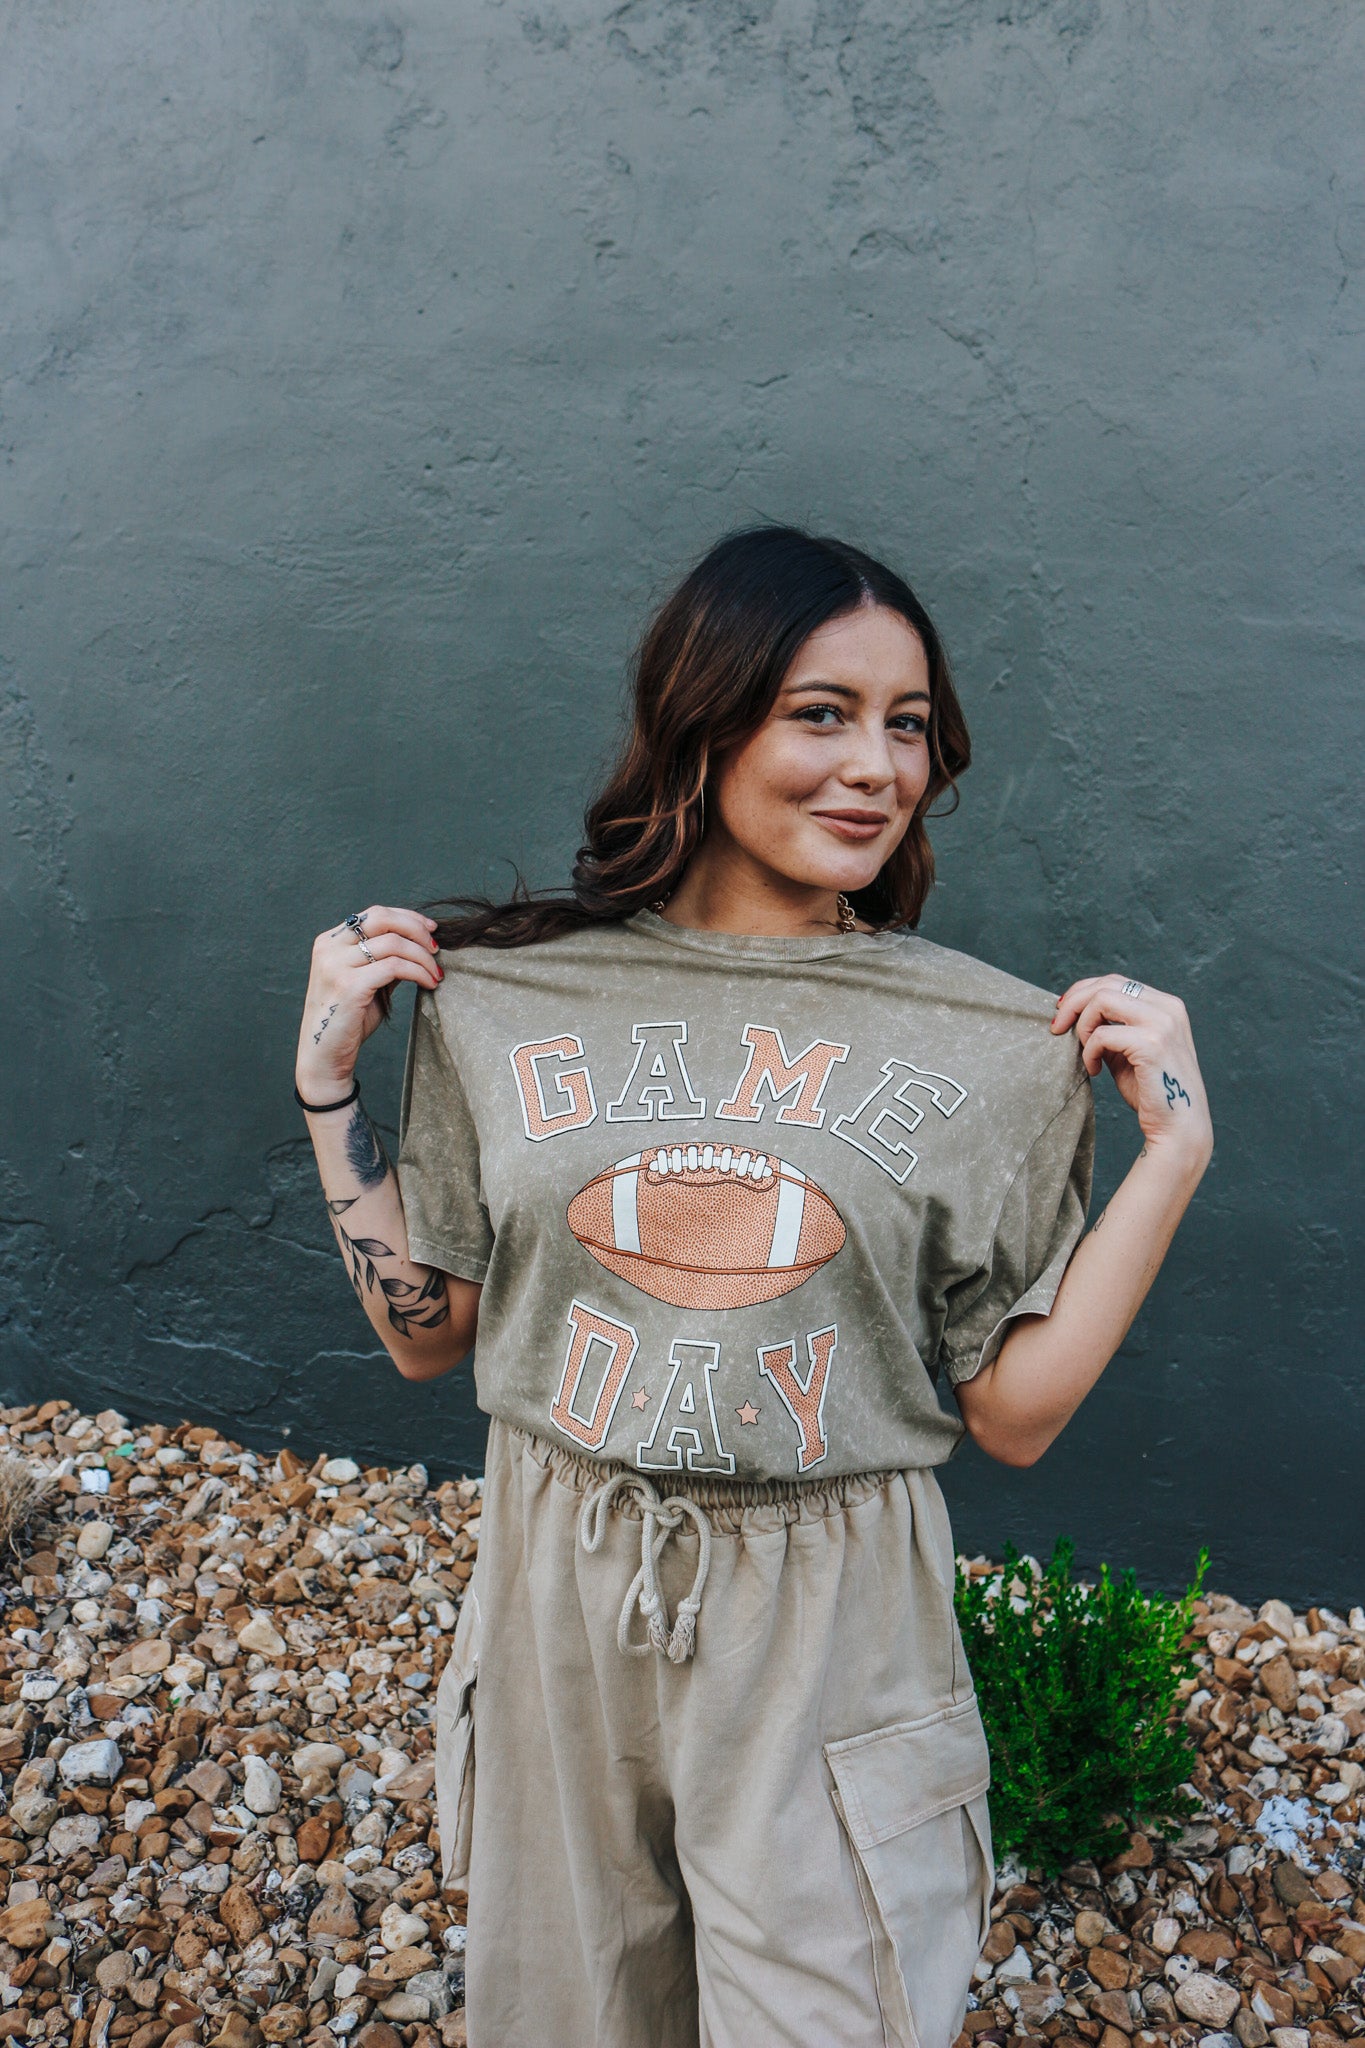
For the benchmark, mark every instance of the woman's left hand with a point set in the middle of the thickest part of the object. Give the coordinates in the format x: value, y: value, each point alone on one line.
x: 1143, y: 1036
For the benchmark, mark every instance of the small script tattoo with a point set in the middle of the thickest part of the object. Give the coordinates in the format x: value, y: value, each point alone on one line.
x: 365, y: 1153
x: 1174, y: 1092
x: 1098, y: 1220
x: 409, y: 1304
x: 325, y: 1022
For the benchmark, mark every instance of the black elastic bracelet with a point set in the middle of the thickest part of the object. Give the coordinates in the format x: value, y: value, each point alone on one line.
x: 321, y: 1108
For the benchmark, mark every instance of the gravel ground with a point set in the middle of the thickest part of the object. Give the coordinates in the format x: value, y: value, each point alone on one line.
x: 218, y: 1825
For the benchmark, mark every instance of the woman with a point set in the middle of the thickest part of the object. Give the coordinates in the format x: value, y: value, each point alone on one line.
x: 728, y: 1167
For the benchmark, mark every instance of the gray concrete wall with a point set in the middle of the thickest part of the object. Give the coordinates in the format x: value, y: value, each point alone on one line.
x: 366, y: 375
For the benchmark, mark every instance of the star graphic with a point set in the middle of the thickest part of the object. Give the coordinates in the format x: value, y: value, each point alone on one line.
x: 747, y: 1414
x: 638, y: 1398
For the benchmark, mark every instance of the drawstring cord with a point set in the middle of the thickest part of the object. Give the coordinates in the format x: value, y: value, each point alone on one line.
x: 659, y: 1519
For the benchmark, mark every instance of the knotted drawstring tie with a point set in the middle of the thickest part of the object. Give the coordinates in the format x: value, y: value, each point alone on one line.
x: 659, y: 1518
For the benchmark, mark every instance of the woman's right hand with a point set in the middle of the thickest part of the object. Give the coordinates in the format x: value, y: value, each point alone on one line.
x: 340, y: 1010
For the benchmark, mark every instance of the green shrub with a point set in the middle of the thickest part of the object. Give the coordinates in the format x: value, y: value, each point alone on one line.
x: 1078, y: 1688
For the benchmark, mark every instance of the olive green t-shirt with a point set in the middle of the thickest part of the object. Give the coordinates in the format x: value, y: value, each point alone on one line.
x: 739, y: 1203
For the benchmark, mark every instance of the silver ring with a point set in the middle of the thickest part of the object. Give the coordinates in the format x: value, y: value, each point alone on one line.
x: 356, y: 923
x: 364, y: 949
x: 1132, y: 988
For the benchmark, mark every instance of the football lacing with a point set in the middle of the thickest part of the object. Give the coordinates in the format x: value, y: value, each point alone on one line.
x: 732, y: 1162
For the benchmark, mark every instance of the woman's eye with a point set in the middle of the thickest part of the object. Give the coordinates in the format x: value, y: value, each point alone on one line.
x: 817, y: 713
x: 911, y: 722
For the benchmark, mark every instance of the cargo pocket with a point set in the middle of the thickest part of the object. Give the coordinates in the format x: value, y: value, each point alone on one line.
x: 912, y: 1799
x: 455, y: 1743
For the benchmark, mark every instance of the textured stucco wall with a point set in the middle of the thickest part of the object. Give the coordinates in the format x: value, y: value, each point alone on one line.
x: 366, y: 374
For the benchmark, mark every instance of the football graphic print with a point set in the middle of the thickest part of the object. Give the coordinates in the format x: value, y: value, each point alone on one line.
x: 707, y: 1226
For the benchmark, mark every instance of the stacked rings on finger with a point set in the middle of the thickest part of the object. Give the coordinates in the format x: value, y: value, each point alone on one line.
x: 1132, y: 988
x: 355, y: 924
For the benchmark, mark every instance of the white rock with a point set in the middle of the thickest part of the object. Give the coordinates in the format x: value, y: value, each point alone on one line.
x: 258, y: 1634
x: 37, y: 1687
x: 347, y: 1980
x: 1016, y: 1966
x: 1331, y: 1735
x: 1208, y: 1999
x: 91, y: 1763
x: 1290, y: 2037
x: 1240, y: 1859
x: 1267, y: 1752
x: 339, y: 1472
x: 405, y: 2006
x: 95, y: 1539
x: 1277, y: 1615
x: 74, y: 1832
x: 1177, y: 1968
x: 391, y: 1761
x: 33, y: 1812
x: 1218, y: 2041
x: 1165, y: 1933
x: 318, y: 1756
x: 400, y: 1929
x: 95, y: 1479
x: 262, y: 1792
x: 454, y: 1940
x: 434, y: 1987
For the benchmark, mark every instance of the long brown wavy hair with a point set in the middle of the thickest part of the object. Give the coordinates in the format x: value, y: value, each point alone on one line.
x: 706, y: 675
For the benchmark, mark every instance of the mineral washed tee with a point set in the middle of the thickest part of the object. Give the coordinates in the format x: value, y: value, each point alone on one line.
x: 738, y: 1203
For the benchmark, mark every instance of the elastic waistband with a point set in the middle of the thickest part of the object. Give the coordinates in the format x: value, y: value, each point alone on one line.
x: 725, y: 1502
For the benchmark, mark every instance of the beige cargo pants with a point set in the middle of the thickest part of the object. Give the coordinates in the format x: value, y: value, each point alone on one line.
x: 780, y: 1839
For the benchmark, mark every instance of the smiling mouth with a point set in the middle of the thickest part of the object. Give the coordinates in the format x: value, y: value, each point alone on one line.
x: 853, y: 824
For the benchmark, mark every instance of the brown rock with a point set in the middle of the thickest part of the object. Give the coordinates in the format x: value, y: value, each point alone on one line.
x: 1113, y: 2037
x: 1111, y: 1972
x: 334, y: 1916
x: 380, y: 1599
x: 400, y: 1965
x: 379, y: 2034
x: 1293, y: 1886
x: 1137, y: 1856
x: 1249, y: 2028
x: 413, y: 1783
x: 284, y: 2023
x: 236, y: 2031
x: 1272, y: 2005
x: 999, y: 1943
x: 1091, y: 1928
x: 453, y: 2031
x: 240, y: 1914
x: 1113, y: 2007
x: 1207, y: 1945
x: 313, y: 1839
x: 207, y: 1780
x: 1280, y: 1683
x: 150, y: 2034
x: 28, y: 1925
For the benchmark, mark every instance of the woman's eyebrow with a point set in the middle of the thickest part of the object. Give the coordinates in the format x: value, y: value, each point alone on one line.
x: 843, y: 690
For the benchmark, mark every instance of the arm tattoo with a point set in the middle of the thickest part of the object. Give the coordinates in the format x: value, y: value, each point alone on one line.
x: 1174, y: 1091
x: 1098, y: 1220
x: 325, y: 1022
x: 364, y: 1150
x: 410, y: 1304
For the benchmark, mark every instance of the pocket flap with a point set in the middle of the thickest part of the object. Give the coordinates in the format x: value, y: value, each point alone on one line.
x: 896, y: 1777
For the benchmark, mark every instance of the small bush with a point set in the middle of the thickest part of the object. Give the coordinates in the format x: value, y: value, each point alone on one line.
x: 1078, y: 1688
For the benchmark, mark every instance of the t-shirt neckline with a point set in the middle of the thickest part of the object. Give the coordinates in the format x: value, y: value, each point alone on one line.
x: 753, y: 945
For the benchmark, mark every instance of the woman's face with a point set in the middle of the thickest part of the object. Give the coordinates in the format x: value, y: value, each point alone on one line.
x: 823, y: 791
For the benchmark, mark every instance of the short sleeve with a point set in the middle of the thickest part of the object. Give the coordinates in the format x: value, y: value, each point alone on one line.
x: 438, y: 1156
x: 1036, y: 1231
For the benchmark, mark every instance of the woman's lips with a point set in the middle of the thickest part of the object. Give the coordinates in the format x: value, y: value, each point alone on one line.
x: 852, y: 825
